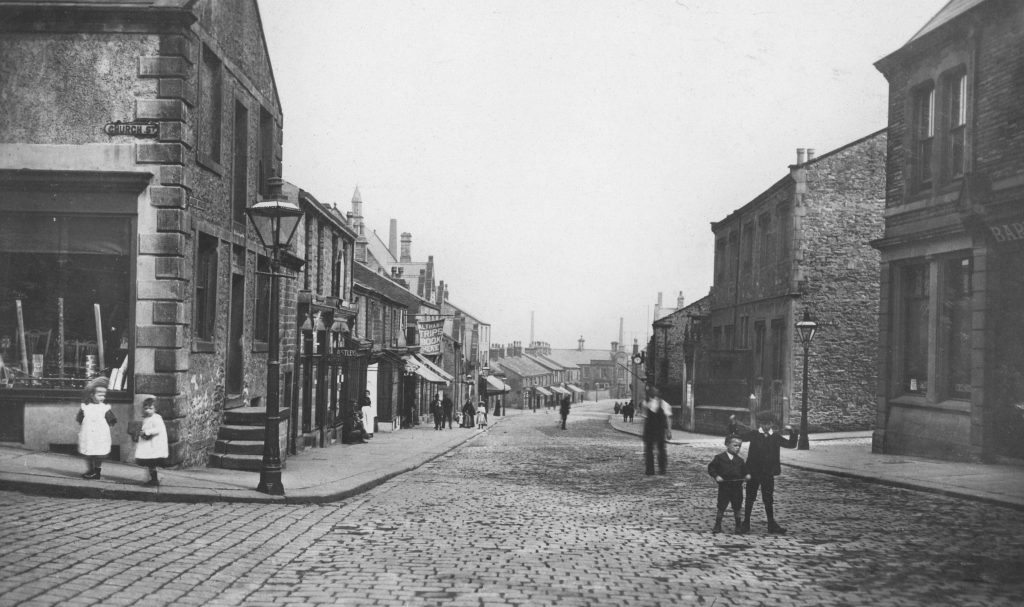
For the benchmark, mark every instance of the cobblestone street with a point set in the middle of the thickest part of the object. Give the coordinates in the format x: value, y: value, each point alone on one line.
x: 526, y: 514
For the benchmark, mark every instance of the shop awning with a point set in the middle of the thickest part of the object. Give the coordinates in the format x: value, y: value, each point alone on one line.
x: 543, y: 391
x: 437, y: 370
x: 414, y: 365
x: 496, y: 385
x: 559, y: 390
x: 575, y: 389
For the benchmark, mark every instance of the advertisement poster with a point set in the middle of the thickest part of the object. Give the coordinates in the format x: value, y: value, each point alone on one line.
x: 430, y: 332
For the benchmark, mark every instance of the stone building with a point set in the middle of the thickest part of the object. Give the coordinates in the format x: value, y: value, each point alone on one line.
x: 132, y: 139
x: 670, y: 355
x: 801, y: 245
x: 951, y: 344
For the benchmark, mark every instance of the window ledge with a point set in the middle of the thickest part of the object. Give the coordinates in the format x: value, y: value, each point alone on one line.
x: 209, y: 163
x: 260, y: 346
x: 953, y: 406
x: 202, y: 346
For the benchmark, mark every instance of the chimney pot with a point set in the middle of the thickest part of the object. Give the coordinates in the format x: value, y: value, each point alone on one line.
x: 810, y: 154
x: 800, y: 155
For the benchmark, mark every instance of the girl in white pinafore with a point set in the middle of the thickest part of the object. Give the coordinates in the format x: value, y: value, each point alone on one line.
x: 152, y: 438
x: 96, y: 419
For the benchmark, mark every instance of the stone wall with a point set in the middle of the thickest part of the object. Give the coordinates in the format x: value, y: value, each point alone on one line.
x: 843, y: 213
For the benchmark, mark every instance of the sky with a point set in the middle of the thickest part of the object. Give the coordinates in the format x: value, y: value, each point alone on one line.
x: 563, y: 160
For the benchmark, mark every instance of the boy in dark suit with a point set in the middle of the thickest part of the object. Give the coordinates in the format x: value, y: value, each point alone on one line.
x: 729, y: 471
x: 763, y: 464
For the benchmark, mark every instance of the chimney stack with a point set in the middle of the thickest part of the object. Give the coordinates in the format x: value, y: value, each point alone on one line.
x: 799, y: 155
x: 393, y: 238
x: 580, y: 342
x: 810, y: 154
x: 680, y: 302
x: 406, y: 255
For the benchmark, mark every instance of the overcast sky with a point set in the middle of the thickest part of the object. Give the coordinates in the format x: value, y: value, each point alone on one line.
x: 566, y: 158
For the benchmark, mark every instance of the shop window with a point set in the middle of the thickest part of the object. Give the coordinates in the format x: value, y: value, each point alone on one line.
x: 262, y: 329
x: 65, y: 299
x: 206, y: 288
x: 915, y: 329
x: 211, y: 91
x: 924, y: 135
x: 956, y: 327
x: 957, y: 115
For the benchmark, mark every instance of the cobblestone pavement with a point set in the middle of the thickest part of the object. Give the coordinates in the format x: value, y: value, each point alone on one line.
x: 526, y: 514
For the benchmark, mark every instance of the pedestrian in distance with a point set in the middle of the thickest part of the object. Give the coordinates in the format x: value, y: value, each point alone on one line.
x: 447, y: 408
x: 437, y: 411
x: 151, y: 450
x: 481, y: 416
x: 563, y: 409
x: 96, y: 419
x: 618, y: 407
x: 631, y: 407
x: 763, y: 463
x: 627, y: 412
x: 657, y: 424
x: 365, y: 405
x: 729, y: 471
x: 468, y: 414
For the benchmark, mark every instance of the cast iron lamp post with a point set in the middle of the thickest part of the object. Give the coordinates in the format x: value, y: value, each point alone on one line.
x: 275, y: 222
x: 806, y: 328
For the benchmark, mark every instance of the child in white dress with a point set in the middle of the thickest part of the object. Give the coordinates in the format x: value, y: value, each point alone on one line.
x: 96, y: 419
x: 152, y: 447
x: 481, y: 416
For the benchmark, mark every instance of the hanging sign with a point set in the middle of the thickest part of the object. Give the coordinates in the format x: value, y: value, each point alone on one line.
x: 430, y: 334
x: 133, y: 129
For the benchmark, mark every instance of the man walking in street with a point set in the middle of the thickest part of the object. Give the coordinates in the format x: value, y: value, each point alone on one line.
x: 563, y: 410
x: 657, y: 422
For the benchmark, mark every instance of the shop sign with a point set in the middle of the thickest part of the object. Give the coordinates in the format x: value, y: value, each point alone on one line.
x: 340, y: 357
x: 1011, y: 231
x: 430, y: 334
x: 132, y: 129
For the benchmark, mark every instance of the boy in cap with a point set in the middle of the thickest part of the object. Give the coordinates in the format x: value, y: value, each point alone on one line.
x: 729, y: 471
x: 762, y: 464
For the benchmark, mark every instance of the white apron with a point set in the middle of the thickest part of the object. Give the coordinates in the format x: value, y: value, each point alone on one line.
x: 94, y: 435
x: 156, y: 447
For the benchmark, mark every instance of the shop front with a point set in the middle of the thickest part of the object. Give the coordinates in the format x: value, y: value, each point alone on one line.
x: 68, y: 245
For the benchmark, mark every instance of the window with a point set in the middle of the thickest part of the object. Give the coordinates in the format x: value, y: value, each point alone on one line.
x: 206, y: 288
x: 915, y: 329
x: 210, y: 109
x: 240, y: 168
x: 720, y: 261
x: 336, y: 266
x: 778, y: 345
x: 743, y: 339
x: 956, y: 329
x: 262, y: 328
x: 266, y: 160
x: 924, y: 135
x: 747, y: 251
x: 65, y: 298
x: 957, y: 125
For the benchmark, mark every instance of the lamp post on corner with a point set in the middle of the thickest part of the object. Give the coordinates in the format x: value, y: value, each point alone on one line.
x: 275, y: 222
x: 806, y: 328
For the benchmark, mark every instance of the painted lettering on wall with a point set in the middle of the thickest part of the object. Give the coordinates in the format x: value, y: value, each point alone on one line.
x: 1007, y: 232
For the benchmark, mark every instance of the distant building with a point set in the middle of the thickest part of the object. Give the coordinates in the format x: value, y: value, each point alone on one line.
x: 670, y: 355
x: 951, y: 371
x: 800, y: 246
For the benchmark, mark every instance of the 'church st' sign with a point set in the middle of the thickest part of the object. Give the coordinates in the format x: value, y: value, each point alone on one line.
x: 133, y: 129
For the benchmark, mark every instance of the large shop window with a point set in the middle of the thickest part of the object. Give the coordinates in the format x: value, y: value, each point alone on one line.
x: 65, y: 299
x: 936, y: 328
x: 915, y: 329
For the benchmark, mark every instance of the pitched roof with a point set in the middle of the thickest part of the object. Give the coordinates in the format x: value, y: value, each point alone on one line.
x: 520, y: 366
x: 951, y: 11
x: 579, y: 357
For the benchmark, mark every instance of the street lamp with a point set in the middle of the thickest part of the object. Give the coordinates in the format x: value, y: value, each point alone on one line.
x: 806, y: 328
x: 275, y: 222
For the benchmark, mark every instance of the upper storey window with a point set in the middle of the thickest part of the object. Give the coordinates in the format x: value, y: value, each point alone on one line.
x: 210, y: 110
x: 924, y: 136
x: 956, y: 138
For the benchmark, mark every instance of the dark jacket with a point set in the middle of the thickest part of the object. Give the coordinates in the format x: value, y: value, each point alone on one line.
x: 763, y: 451
x: 730, y: 470
x: 447, y: 406
x: 564, y: 408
